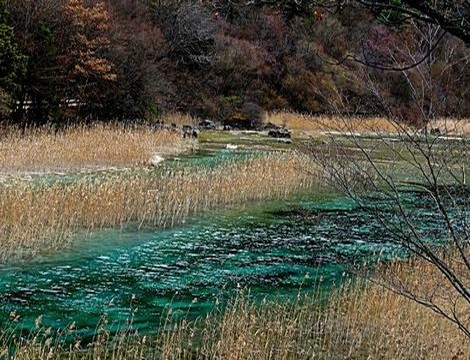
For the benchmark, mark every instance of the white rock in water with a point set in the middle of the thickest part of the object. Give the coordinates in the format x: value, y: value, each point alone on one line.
x: 156, y: 160
x: 231, y: 147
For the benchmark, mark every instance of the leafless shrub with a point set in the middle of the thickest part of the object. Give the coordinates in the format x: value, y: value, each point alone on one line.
x: 428, y: 162
x: 254, y: 113
x: 189, y: 30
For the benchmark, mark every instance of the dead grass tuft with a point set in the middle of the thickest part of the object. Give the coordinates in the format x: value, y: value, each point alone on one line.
x: 78, y: 148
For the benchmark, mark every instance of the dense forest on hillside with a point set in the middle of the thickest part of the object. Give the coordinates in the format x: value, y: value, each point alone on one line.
x: 82, y: 60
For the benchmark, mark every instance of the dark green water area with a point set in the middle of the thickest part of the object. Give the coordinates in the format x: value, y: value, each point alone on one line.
x: 275, y: 249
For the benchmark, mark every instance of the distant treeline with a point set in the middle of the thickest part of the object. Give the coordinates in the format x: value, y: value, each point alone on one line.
x: 129, y: 59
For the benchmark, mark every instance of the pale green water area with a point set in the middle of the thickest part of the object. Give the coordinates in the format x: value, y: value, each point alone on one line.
x: 274, y: 249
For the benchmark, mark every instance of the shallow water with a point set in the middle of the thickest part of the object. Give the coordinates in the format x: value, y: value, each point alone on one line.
x: 273, y: 249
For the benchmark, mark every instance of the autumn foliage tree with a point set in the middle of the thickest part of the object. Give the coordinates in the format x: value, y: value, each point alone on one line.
x: 128, y: 59
x: 64, y: 41
x: 138, y: 51
x: 86, y: 39
x: 451, y: 16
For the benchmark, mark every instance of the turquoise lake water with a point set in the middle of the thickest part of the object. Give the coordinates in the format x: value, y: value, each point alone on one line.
x: 274, y: 249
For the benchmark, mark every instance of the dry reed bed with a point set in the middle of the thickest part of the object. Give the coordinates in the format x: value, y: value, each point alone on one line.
x: 323, y: 123
x: 361, y: 320
x: 357, y: 322
x: 309, y: 123
x: 76, y: 148
x: 370, y: 323
x: 179, y: 119
x: 41, y: 217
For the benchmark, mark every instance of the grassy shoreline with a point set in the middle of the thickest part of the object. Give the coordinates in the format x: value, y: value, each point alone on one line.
x: 78, y: 148
x: 124, y: 185
x: 359, y: 320
x: 314, y: 124
x: 44, y: 217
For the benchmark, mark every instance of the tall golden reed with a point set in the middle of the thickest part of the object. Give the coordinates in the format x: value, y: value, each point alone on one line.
x: 357, y: 322
x: 80, y: 148
x: 42, y: 216
x: 310, y: 124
